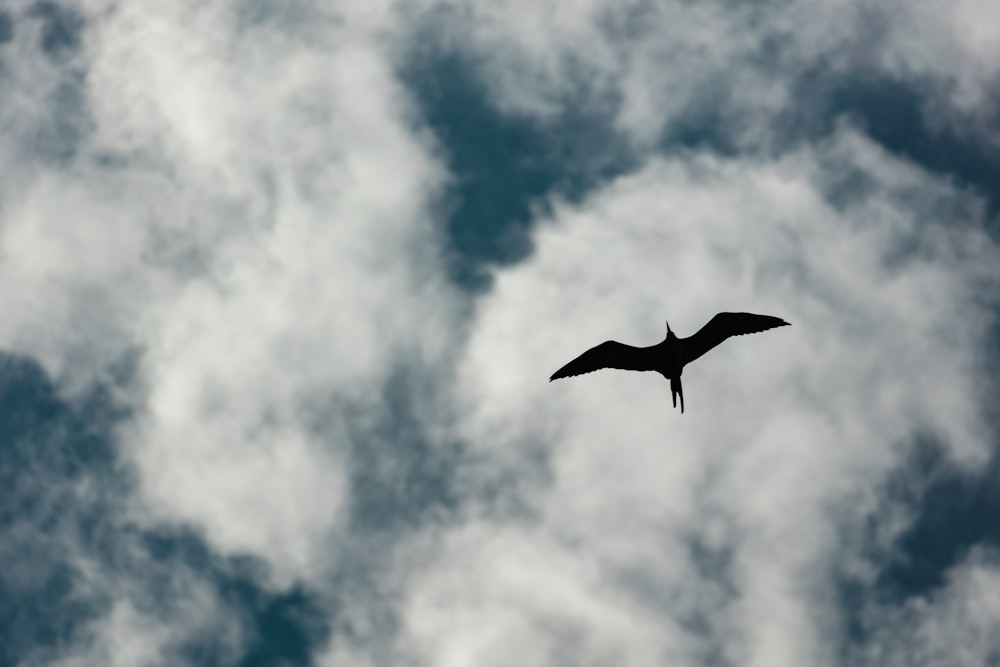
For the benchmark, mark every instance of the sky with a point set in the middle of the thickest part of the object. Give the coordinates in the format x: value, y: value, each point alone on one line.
x: 283, y: 284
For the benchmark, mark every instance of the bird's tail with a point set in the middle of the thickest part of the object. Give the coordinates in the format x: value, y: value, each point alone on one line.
x: 676, y: 390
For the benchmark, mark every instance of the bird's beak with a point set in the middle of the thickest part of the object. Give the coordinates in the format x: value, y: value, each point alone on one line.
x: 668, y: 327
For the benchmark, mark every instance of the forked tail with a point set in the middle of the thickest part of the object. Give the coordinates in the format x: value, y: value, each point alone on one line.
x: 676, y: 390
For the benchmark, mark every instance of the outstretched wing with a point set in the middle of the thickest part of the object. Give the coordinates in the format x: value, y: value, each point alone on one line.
x: 721, y: 327
x: 609, y: 354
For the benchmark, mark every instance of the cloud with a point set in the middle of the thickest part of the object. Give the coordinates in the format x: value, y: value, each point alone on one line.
x: 815, y: 416
x: 726, y: 72
x: 261, y: 238
x: 955, y: 44
x: 138, y: 630
x: 956, y: 625
x: 234, y: 219
x: 246, y: 227
x: 82, y: 583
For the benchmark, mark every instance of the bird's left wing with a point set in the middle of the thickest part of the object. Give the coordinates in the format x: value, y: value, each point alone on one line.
x: 721, y: 327
x: 609, y: 354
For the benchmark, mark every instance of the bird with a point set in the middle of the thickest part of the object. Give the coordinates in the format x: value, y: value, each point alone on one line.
x: 672, y: 354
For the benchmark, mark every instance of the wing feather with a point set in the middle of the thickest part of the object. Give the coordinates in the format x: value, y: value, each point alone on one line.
x: 721, y: 327
x: 609, y: 354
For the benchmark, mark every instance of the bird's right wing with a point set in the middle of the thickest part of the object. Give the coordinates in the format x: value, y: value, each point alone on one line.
x: 609, y: 354
x: 721, y: 327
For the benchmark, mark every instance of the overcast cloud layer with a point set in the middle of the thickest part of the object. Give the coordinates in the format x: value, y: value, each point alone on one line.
x: 283, y: 284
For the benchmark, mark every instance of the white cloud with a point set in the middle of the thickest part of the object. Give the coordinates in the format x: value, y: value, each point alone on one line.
x: 953, y: 43
x: 737, y: 63
x: 958, y: 625
x: 513, y: 594
x: 252, y: 211
x: 786, y: 433
x: 265, y: 246
x: 144, y: 629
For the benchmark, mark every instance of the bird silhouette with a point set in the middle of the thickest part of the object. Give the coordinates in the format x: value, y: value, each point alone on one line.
x: 668, y: 357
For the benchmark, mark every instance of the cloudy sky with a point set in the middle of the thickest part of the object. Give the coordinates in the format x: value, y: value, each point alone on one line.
x: 283, y: 282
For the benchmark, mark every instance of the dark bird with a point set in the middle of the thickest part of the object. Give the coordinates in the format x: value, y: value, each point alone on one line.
x: 669, y: 357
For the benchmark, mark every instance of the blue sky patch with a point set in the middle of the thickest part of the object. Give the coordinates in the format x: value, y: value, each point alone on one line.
x: 504, y: 166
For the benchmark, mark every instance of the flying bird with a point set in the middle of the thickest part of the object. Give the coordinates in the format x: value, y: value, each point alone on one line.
x: 669, y: 357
